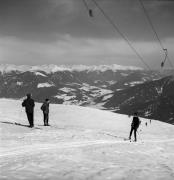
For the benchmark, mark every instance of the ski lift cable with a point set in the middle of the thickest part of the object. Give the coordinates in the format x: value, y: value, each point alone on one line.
x: 90, y: 12
x: 156, y: 34
x: 167, y: 57
x: 121, y: 34
x: 151, y: 24
x: 170, y: 61
x: 165, y: 51
x: 86, y: 5
x: 163, y: 62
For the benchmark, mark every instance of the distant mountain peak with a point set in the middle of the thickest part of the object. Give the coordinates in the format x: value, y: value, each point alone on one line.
x: 6, y: 68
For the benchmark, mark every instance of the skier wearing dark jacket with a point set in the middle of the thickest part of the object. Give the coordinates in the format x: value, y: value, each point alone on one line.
x: 45, y: 109
x: 29, y: 104
x: 134, y: 126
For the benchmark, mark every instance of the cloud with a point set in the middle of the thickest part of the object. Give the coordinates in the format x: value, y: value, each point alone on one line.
x: 69, y: 50
x: 41, y: 20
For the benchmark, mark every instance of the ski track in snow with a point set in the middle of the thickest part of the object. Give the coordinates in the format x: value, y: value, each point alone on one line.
x: 77, y: 144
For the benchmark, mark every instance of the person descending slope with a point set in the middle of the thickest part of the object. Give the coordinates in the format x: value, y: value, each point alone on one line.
x: 29, y: 104
x: 45, y: 109
x: 134, y: 126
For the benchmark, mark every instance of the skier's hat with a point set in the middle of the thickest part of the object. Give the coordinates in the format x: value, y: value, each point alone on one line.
x: 135, y: 114
x: 28, y: 95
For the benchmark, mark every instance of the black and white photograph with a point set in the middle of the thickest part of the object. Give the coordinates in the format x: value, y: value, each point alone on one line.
x: 86, y: 89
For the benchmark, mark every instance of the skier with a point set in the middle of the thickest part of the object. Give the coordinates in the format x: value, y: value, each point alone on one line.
x: 134, y: 126
x: 45, y: 109
x: 29, y: 104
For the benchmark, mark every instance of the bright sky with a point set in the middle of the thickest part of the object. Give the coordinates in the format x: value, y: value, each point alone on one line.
x: 61, y: 32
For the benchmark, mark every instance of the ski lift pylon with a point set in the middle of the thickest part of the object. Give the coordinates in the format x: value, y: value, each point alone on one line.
x: 163, y: 62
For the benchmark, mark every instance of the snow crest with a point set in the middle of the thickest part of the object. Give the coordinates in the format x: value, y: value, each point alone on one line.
x: 7, y: 68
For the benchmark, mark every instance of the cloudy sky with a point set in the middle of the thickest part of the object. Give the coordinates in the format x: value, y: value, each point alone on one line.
x: 60, y: 32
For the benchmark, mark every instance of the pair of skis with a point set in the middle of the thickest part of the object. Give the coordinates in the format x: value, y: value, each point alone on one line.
x: 125, y: 139
x: 19, y: 124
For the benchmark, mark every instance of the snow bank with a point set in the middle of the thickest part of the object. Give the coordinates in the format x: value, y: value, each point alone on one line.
x: 42, y: 85
x: 40, y: 74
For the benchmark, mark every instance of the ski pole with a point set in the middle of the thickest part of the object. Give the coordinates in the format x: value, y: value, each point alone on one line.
x: 20, y: 116
x: 139, y: 135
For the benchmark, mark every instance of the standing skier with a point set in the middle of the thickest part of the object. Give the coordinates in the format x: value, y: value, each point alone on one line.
x: 134, y: 126
x: 28, y: 103
x: 45, y: 109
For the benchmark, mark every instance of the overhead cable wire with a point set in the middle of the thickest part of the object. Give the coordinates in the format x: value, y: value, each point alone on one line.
x: 156, y: 34
x: 86, y: 5
x: 121, y: 34
x: 150, y: 22
x: 170, y: 61
x: 163, y: 62
x: 88, y: 9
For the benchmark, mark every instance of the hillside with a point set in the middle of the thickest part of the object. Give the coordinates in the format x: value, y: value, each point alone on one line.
x: 154, y: 99
x: 82, y: 143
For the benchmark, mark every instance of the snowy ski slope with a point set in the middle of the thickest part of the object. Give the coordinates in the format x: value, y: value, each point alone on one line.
x: 82, y: 143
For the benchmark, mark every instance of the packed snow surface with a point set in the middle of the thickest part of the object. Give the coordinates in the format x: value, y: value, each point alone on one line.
x: 82, y: 143
x: 41, y: 85
x: 19, y: 83
x: 67, y: 90
x: 40, y: 74
x: 65, y: 97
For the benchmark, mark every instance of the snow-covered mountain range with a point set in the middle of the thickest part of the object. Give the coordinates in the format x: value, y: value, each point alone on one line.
x: 116, y: 88
x: 7, y: 68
